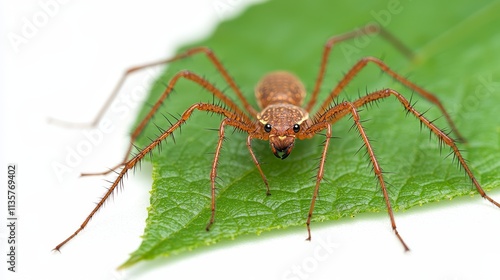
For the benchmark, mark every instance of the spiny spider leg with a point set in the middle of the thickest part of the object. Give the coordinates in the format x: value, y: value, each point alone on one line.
x: 232, y: 119
x: 442, y: 136
x: 332, y: 115
x: 238, y: 124
x: 188, y: 53
x: 256, y: 162
x: 362, y: 63
x: 364, y: 31
x: 137, y: 131
x: 324, y: 122
x: 170, y: 87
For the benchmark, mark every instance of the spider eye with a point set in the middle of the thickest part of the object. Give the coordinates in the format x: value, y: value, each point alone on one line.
x: 267, y: 127
x: 296, y: 128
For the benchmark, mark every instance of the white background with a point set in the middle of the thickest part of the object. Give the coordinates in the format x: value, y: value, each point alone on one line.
x: 66, y: 69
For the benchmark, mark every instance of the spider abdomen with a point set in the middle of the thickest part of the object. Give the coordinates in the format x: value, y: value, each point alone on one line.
x: 279, y: 87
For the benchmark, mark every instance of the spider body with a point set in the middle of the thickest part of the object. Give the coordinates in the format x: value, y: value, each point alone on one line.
x: 283, y: 119
x: 280, y: 95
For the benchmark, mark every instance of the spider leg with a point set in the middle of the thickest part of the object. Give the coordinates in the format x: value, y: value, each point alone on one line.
x: 170, y: 87
x: 324, y: 122
x: 442, y: 136
x: 319, y: 177
x: 254, y: 158
x: 231, y: 119
x: 337, y: 112
x: 213, y: 174
x: 364, y: 31
x: 188, y: 53
x: 362, y: 63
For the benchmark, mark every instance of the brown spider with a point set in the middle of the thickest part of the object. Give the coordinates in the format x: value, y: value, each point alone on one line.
x: 282, y: 118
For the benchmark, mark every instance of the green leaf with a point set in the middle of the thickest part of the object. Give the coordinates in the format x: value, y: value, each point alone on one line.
x: 456, y: 57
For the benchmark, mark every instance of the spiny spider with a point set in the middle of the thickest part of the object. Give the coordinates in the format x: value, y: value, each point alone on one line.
x: 282, y: 119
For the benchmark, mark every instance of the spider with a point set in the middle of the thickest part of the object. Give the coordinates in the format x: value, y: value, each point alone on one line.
x: 283, y: 119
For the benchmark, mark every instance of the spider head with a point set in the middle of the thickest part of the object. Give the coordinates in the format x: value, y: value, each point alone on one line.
x: 282, y: 122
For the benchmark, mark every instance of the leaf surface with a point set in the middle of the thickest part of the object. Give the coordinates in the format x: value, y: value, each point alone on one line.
x: 456, y: 57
